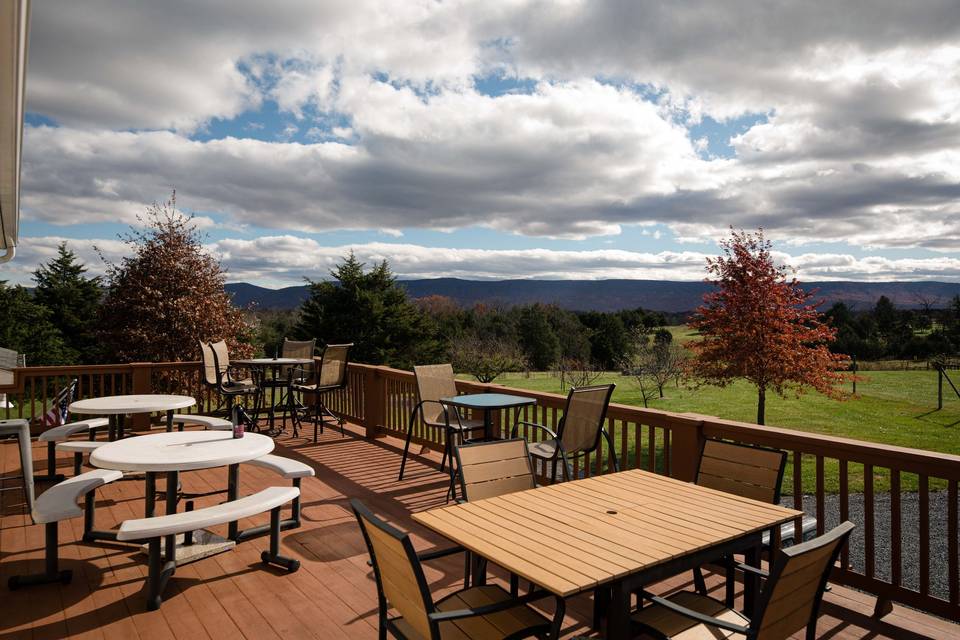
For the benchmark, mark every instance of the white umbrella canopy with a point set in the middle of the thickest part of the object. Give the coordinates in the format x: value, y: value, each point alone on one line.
x: 14, y: 32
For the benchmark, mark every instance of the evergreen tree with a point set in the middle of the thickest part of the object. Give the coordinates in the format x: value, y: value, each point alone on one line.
x: 72, y: 300
x: 369, y: 309
x: 168, y: 295
x: 537, y: 339
x: 25, y: 327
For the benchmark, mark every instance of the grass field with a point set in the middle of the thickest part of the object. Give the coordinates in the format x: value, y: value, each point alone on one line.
x: 891, y: 407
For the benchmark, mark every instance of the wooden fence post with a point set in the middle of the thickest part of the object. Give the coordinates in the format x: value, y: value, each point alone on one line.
x: 142, y: 382
x: 375, y: 401
x: 686, y: 442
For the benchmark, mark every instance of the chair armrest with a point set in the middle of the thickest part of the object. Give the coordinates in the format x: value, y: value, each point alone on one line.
x: 746, y: 568
x: 516, y: 425
x: 695, y: 615
x: 487, y: 609
x: 439, y: 553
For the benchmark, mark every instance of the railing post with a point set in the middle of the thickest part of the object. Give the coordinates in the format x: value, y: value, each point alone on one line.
x: 142, y: 382
x: 375, y: 400
x: 686, y: 441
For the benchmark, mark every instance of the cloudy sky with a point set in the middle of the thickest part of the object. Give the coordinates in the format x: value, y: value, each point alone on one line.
x: 573, y: 139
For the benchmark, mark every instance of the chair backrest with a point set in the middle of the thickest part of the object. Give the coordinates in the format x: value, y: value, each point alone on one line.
x: 791, y: 597
x: 400, y: 580
x: 332, y: 371
x: 579, y: 430
x: 434, y: 381
x: 209, y: 363
x: 743, y: 470
x: 8, y: 358
x: 489, y: 469
x: 298, y: 348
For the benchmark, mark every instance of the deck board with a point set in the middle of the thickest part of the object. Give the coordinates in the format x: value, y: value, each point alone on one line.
x: 332, y: 597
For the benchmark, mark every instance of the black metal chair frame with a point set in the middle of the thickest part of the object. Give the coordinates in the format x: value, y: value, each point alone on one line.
x: 320, y: 410
x: 557, y: 436
x: 230, y: 394
x: 436, y: 617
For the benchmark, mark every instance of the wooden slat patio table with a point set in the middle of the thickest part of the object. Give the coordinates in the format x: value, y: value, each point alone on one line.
x: 622, y: 530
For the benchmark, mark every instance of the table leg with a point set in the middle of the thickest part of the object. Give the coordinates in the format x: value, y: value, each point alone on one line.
x: 273, y: 397
x: 150, y: 507
x: 170, y: 421
x: 487, y: 425
x: 233, y: 492
x: 751, y: 581
x: 173, y: 479
x: 112, y: 428
x: 120, y: 425
x: 618, y: 612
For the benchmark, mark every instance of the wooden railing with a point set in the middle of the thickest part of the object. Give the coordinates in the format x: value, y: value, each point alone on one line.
x: 903, y: 501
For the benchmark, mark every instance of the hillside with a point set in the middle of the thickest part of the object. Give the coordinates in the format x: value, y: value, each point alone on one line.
x: 611, y: 295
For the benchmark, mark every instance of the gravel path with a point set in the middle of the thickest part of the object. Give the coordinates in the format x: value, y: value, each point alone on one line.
x: 909, y: 534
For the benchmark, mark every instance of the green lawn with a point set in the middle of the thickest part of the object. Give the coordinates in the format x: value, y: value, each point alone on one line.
x: 891, y: 407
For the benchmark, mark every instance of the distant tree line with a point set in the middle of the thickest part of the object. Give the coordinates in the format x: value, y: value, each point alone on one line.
x: 886, y: 331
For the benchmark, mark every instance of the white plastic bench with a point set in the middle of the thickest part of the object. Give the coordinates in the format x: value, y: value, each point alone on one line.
x: 59, y: 434
x: 153, y: 530
x: 208, y: 422
x: 79, y: 448
x: 57, y: 503
x: 289, y: 469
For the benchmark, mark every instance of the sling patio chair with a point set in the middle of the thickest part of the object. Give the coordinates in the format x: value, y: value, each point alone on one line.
x: 301, y: 374
x: 579, y: 431
x: 329, y: 376
x: 218, y: 375
x: 486, y: 611
x: 790, y: 599
x: 435, y: 382
x: 751, y: 472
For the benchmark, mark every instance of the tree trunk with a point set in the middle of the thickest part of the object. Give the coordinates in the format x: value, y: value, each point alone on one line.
x: 761, y: 404
x: 660, y: 389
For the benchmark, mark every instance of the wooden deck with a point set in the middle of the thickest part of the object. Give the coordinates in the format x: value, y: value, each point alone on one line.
x: 332, y: 596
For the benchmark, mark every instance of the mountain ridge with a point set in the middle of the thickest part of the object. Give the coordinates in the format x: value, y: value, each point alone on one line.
x: 612, y: 295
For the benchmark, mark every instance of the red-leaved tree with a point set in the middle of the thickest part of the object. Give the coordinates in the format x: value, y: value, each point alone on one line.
x: 759, y: 326
x: 167, y: 295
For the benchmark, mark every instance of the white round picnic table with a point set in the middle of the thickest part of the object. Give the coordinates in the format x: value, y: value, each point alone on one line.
x: 119, y: 406
x: 178, y: 451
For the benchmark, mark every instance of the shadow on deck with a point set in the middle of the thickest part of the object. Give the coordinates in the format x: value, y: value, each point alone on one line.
x: 333, y: 595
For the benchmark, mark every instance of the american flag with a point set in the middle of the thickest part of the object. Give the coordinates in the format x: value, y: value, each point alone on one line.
x: 60, y: 409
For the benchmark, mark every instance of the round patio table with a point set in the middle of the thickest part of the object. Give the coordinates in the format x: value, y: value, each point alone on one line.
x: 178, y: 451
x: 117, y: 407
x: 261, y: 366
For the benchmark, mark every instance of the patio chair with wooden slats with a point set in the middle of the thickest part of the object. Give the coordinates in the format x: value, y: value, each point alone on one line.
x: 435, y: 382
x: 790, y: 600
x: 488, y: 470
x: 327, y: 377
x: 579, y: 431
x: 751, y: 472
x: 486, y: 611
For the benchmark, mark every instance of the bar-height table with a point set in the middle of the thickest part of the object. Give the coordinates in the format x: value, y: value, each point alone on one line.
x: 178, y: 451
x: 117, y: 407
x: 621, y: 531
x: 261, y: 366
